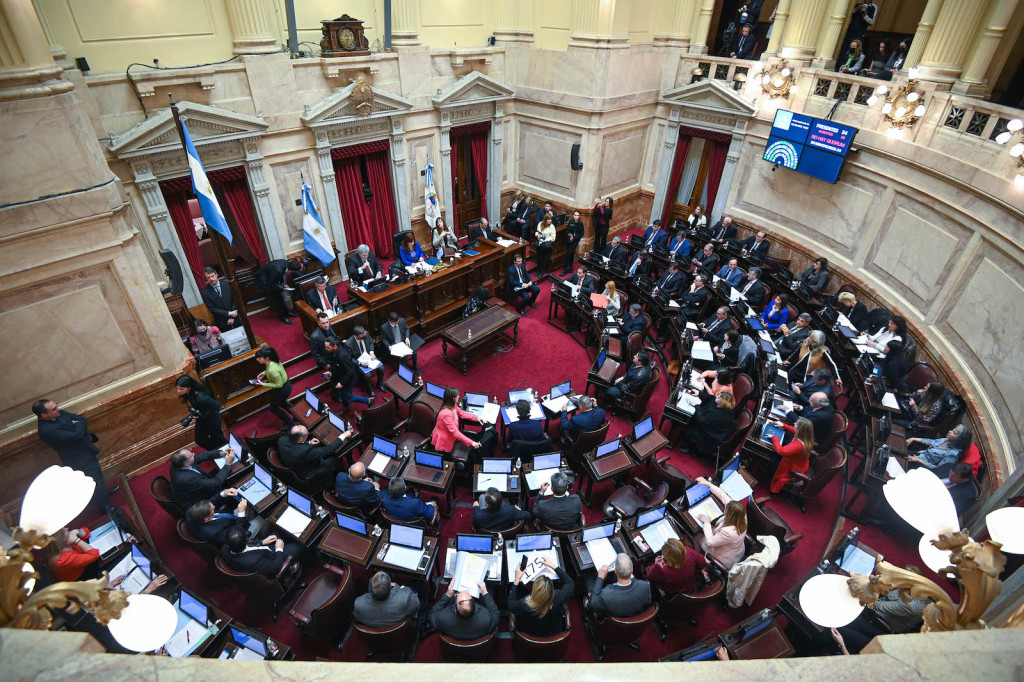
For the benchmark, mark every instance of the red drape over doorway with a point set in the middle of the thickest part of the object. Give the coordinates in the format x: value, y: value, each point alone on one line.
x: 366, y: 222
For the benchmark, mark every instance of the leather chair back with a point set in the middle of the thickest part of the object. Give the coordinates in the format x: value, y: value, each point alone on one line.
x: 822, y: 470
x: 585, y: 442
x: 421, y: 419
x: 390, y: 520
x: 743, y: 422
x: 529, y: 448
x: 919, y: 376
x: 508, y: 534
x: 628, y: 501
x: 332, y: 502
x: 530, y: 648
x: 682, y: 607
x: 663, y: 471
x: 255, y: 586
x: 635, y: 404
x: 634, y: 344
x: 396, y: 242
x: 324, y: 609
x: 287, y: 476
x: 160, y: 488
x: 204, y: 549
x: 608, y: 631
x: 379, y: 420
x: 258, y: 446
x: 395, y: 640
x: 479, y: 650
x: 839, y: 425
x: 742, y: 385
x: 764, y: 521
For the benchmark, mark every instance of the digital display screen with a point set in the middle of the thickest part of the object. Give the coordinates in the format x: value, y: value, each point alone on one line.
x: 384, y: 447
x: 263, y: 476
x: 337, y: 422
x: 530, y: 543
x: 643, y: 428
x: 525, y: 394
x: 429, y: 459
x: 696, y: 493
x: 650, y: 517
x: 193, y: 607
x: 561, y: 389
x: 435, y: 390
x: 313, y: 401
x: 808, y: 145
x: 300, y: 502
x: 407, y: 535
x: 235, y: 445
x: 497, y: 466
x: 606, y: 448
x: 349, y: 523
x: 249, y: 642
x: 405, y: 373
x: 603, y: 531
x: 142, y: 561
x: 476, y: 399
x: 481, y: 544
x: 552, y: 461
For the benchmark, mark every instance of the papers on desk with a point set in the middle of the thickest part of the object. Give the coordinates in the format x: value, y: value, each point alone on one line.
x: 856, y: 560
x: 889, y: 400
x: 404, y: 557
x: 614, y: 331
x: 493, y: 563
x: 656, y: 535
x: 470, y: 569
x: 488, y: 412
x: 601, y: 552
x: 535, y: 479
x: 135, y: 578
x: 714, y: 279
x: 781, y: 408
x: 736, y: 487
x: 505, y: 242
x: 863, y: 347
x: 371, y: 363
x: 697, y: 379
x: 672, y: 303
x: 510, y: 415
x: 255, y: 493
x: 293, y: 521
x: 784, y: 374
x: 499, y: 481
x: 400, y: 350
x: 688, y: 403
x: 705, y: 511
x: 106, y: 538
x: 243, y: 654
x: 735, y: 295
x: 701, y: 351
x: 894, y: 468
x: 691, y: 326
x: 574, y: 288
x: 379, y: 464
x: 535, y: 566
x: 844, y: 321
x: 556, y: 404
x: 187, y: 639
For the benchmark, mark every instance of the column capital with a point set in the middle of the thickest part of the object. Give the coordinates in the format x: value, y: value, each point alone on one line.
x: 27, y: 69
x: 405, y: 23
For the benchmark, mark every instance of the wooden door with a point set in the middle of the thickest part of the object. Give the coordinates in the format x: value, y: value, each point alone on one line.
x: 467, y: 192
x: 682, y: 211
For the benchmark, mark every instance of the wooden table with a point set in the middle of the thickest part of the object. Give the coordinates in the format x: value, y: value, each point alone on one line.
x: 601, y: 469
x: 478, y: 331
x: 646, y: 556
x: 648, y: 446
x: 422, y: 477
x: 313, y: 528
x: 514, y: 478
x: 423, y: 574
x: 392, y: 471
x: 349, y: 547
x: 579, y: 557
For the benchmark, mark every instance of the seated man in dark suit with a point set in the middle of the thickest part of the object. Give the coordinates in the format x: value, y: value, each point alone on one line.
x: 363, y: 265
x: 754, y: 290
x: 584, y: 280
x: 756, y: 245
x: 323, y: 298
x: 525, y: 428
x: 317, y: 338
x: 406, y: 507
x: 355, y: 490
x: 793, y: 335
x: 635, y: 378
x: 680, y: 248
x: 386, y: 603
x: 395, y: 330
x: 266, y: 556
x: 495, y: 515
x: 190, y: 484
x: 820, y: 382
x: 714, y: 328
x: 639, y: 264
x: 655, y: 237
x: 615, y: 251
x: 527, y: 215
x: 305, y: 456
x: 560, y: 511
x: 482, y: 231
x: 671, y: 283
x: 219, y: 301
x: 588, y: 418
x: 209, y: 525
x: 520, y: 286
x: 723, y: 229
x: 819, y: 413
x: 731, y: 273
x: 706, y: 259
x: 458, y: 617
x: 626, y: 597
x: 358, y: 345
x: 961, y: 487
x: 692, y: 301
x: 633, y: 321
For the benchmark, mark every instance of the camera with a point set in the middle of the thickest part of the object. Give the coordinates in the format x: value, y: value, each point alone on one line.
x: 187, y: 421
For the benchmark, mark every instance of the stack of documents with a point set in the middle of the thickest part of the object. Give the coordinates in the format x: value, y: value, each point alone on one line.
x: 371, y: 363
x: 656, y: 535
x: 601, y: 552
x: 889, y: 400
x: 405, y: 557
x: 701, y: 351
x: 556, y: 404
x: 293, y: 521
x: 488, y: 412
x: 400, y: 350
x: 705, y: 511
x: 505, y: 242
x: 687, y: 403
x: 470, y: 569
x: 535, y: 479
x: 736, y: 487
x: 379, y: 464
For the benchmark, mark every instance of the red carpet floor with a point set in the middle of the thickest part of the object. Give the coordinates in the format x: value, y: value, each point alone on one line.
x: 544, y: 356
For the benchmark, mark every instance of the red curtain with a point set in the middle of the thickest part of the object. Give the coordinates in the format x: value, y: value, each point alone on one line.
x: 478, y: 146
x: 371, y: 223
x: 682, y: 149
x: 452, y: 215
x: 236, y: 193
x: 715, y: 166
x: 177, y: 207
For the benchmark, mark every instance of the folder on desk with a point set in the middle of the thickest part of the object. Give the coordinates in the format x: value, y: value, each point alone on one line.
x: 535, y: 479
x: 706, y: 510
x: 470, y: 569
x: 601, y: 552
x: 701, y: 350
x: 373, y: 363
x: 599, y: 300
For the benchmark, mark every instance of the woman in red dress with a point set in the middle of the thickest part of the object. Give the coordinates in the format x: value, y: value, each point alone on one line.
x: 796, y: 455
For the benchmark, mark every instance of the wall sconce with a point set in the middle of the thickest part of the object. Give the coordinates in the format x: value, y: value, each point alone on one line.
x: 738, y: 81
x: 777, y: 81
x: 1013, y: 128
x: 696, y: 75
x: 903, y: 105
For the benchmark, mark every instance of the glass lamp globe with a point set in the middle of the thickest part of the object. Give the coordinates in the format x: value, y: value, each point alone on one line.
x: 919, y: 111
x: 1017, y: 149
x: 146, y: 624
x: 1018, y: 182
x: 1003, y: 137
x: 1006, y: 525
x: 887, y: 107
x: 1015, y: 125
x: 913, y: 97
x: 785, y: 72
x: 54, y: 499
x: 826, y: 601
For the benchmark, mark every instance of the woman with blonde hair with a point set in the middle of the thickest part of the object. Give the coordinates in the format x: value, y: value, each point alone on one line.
x: 614, y: 299
x: 723, y: 540
x: 541, y: 612
x: 676, y: 568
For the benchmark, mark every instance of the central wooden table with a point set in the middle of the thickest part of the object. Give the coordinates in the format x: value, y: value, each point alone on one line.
x: 478, y: 331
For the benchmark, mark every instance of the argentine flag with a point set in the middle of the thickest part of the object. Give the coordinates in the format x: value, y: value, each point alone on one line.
x: 432, y: 209
x: 314, y: 234
x: 204, y: 190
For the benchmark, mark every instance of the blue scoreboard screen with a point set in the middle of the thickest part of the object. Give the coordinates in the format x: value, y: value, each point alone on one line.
x: 809, y: 145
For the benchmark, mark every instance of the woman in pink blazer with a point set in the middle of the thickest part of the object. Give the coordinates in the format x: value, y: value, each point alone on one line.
x: 723, y: 539
x: 446, y: 430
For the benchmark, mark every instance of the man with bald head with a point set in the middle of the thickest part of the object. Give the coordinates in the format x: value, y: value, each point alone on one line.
x: 625, y: 597
x: 355, y: 489
x: 457, y: 615
x: 307, y: 457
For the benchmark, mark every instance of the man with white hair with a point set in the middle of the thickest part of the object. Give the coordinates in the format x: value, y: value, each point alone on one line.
x: 625, y: 597
x: 363, y: 265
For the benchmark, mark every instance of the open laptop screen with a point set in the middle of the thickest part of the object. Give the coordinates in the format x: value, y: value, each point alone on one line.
x: 193, y: 607
x: 643, y: 428
x: 409, y: 536
x: 405, y: 373
x: 384, y: 446
x: 300, y: 502
x: 313, y: 401
x: 552, y: 461
x: 606, y: 448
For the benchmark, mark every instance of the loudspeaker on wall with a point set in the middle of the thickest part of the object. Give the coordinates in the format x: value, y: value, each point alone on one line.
x: 574, y: 158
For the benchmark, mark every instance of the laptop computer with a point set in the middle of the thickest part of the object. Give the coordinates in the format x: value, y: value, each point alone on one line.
x: 249, y: 642
x: 351, y: 523
x: 598, y: 546
x: 406, y: 547
x: 194, y: 608
x: 550, y: 461
x: 643, y: 428
x: 701, y: 505
x: 212, y: 357
x: 385, y: 451
x: 406, y: 374
x: 651, y: 516
x: 755, y: 323
x: 257, y: 488
x: 523, y: 394
x: 496, y: 466
x: 435, y: 390
x: 534, y: 542
x: 564, y: 388
x: 477, y: 544
x: 429, y: 459
x: 606, y: 448
x: 313, y: 401
x: 475, y: 402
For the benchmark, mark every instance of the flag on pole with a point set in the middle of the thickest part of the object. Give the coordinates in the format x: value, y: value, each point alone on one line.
x: 314, y: 234
x: 204, y: 190
x: 433, y: 209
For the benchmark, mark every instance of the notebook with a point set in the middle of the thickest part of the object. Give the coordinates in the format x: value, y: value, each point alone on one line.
x: 599, y: 546
x: 406, y: 547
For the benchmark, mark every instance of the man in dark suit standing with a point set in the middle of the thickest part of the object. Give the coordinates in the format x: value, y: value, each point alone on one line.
x: 519, y: 284
x: 626, y: 597
x: 317, y: 338
x: 323, y: 298
x: 343, y: 371
x: 355, y: 490
x: 273, y: 281
x: 754, y: 290
x: 560, y: 510
x: 360, y: 345
x: 305, y: 456
x: 459, y: 616
x: 525, y: 428
x: 266, y: 556
x: 67, y: 434
x: 189, y: 484
x: 634, y: 379
x: 671, y: 282
x: 723, y: 229
x: 819, y: 413
x: 207, y: 524
x: 363, y: 265
x: 217, y: 297
x: 394, y: 331
x: 495, y: 515
x: 745, y: 46
x: 692, y: 302
x: 482, y: 230
x: 588, y: 418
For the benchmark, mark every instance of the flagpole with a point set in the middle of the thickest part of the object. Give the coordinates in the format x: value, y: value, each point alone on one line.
x: 218, y: 242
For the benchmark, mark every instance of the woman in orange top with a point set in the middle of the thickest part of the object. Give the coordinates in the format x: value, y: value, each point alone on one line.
x: 446, y: 430
x: 70, y: 557
x: 796, y: 455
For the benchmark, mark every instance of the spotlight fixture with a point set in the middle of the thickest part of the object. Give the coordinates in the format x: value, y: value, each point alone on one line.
x: 1014, y: 130
x: 696, y: 75
x: 903, y: 104
x: 777, y: 80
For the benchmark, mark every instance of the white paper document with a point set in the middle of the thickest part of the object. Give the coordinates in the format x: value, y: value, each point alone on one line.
x: 379, y: 464
x: 511, y: 415
x: 889, y: 400
x: 135, y: 579
x: 406, y: 557
x: 894, y: 468
x: 691, y: 326
x: 368, y: 364
x: 505, y: 242
x: 243, y: 654
x: 574, y: 288
x: 601, y: 552
x: 687, y: 403
x: 400, y: 350
x: 535, y: 566
x: 556, y: 404
x: 736, y: 487
x: 705, y: 511
x: 105, y: 538
x: 656, y: 535
x: 735, y: 295
x: 701, y: 351
x: 470, y: 569
x: 488, y: 412
x: 535, y: 479
x: 255, y: 493
x: 499, y: 481
x: 187, y: 639
x: 672, y: 303
x: 293, y: 521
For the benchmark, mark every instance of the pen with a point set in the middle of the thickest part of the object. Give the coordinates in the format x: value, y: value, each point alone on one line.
x: 188, y: 637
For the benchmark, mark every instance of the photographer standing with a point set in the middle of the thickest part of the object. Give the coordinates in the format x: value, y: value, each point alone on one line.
x: 205, y: 410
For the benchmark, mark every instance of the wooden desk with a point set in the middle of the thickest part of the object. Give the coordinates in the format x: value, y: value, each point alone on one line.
x: 425, y: 574
x: 270, y: 500
x: 646, y: 556
x: 301, y: 408
x: 328, y: 434
x: 563, y: 466
x: 579, y: 556
x: 645, y: 448
x: 768, y: 643
x: 513, y: 483
x: 478, y: 331
x: 394, y: 467
x: 422, y: 477
x: 609, y: 466
x: 341, y: 324
x: 312, y: 530
x: 349, y: 547
x: 224, y: 642
x: 402, y: 389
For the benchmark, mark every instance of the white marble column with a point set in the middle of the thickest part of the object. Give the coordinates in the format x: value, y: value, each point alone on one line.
x: 830, y: 34
x: 495, y: 160
x: 513, y: 21
x: 400, y: 176
x: 156, y: 209
x: 257, y: 179
x: 27, y: 69
x: 955, y: 30
x: 732, y: 158
x: 333, y: 204
x: 702, y: 11
x: 252, y: 27
x: 447, y: 191
x: 599, y: 24
x: 668, y: 156
x: 60, y: 55
x: 778, y: 30
x: 802, y: 28
x: 675, y: 23
x: 405, y: 23
x: 972, y: 80
x: 924, y: 31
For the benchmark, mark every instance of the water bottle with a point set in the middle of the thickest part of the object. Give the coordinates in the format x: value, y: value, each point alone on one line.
x: 405, y: 452
x: 495, y: 400
x: 499, y: 543
x: 320, y: 511
x: 469, y: 334
x: 519, y: 464
x: 377, y: 530
x: 272, y: 649
x: 618, y: 523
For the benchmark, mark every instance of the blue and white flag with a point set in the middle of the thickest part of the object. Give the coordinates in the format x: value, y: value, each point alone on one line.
x: 314, y: 235
x: 432, y: 209
x: 204, y: 190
